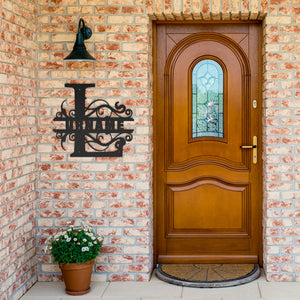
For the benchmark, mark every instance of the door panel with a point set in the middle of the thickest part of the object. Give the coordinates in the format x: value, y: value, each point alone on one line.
x: 207, y: 216
x: 189, y: 150
x: 207, y: 189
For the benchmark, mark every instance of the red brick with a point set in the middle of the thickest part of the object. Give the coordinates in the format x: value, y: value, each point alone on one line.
x: 111, y: 249
x: 279, y: 259
x: 80, y: 195
x: 108, y: 195
x: 107, y: 28
x: 132, y: 10
x: 291, y: 231
x: 131, y: 213
x: 65, y: 204
x: 81, y: 65
x: 121, y: 203
x: 278, y: 56
x: 121, y: 277
x: 107, y: 65
x: 136, y: 268
x: 122, y: 241
x: 94, y: 185
x: 123, y: 259
x: 66, y: 185
x: 49, y: 10
x: 290, y: 122
x: 107, y: 47
x: 279, y: 277
x: 108, y: 214
x: 108, y: 268
x: 121, y: 222
x: 121, y: 186
x: 290, y: 66
x: 104, y: 10
x: 52, y: 213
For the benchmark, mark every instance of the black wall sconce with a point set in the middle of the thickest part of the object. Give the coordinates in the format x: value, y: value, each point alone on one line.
x: 79, y: 51
x: 97, y: 129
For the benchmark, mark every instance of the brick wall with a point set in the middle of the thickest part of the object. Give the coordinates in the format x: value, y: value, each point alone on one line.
x: 115, y: 194
x: 281, y: 94
x: 112, y: 194
x: 119, y: 202
x: 18, y: 139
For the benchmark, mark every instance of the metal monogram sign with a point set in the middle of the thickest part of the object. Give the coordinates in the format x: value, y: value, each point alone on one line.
x: 96, y: 130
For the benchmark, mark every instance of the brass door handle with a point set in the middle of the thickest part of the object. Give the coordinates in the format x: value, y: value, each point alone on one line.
x: 248, y: 147
x: 254, y: 147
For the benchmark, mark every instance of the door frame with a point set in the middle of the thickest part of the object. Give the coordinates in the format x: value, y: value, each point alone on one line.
x: 155, y: 117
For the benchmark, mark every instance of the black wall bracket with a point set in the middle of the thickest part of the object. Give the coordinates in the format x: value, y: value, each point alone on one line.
x: 96, y: 130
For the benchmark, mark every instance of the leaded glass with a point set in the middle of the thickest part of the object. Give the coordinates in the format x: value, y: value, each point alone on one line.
x: 207, y: 99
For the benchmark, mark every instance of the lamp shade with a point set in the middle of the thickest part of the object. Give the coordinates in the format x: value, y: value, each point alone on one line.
x: 79, y: 51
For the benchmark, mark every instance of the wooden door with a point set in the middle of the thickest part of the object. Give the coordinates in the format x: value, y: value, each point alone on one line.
x: 207, y: 189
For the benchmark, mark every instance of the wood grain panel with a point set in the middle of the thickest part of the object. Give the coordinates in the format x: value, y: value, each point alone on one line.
x: 207, y: 191
x: 207, y: 206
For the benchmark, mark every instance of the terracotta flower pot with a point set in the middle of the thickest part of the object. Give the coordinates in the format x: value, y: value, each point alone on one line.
x: 77, y: 277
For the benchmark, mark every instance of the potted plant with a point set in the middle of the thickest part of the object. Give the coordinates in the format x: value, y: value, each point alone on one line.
x: 75, y: 249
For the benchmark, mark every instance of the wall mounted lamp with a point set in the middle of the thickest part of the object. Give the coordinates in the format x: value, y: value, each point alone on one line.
x: 79, y: 51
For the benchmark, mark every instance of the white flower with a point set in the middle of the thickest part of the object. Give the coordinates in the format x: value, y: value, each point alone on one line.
x: 84, y: 240
x: 84, y: 249
x: 95, y: 242
x: 75, y: 239
x: 90, y: 244
x: 93, y: 238
x: 68, y: 240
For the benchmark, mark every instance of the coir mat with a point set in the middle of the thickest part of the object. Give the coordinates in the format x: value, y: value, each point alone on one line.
x: 208, y: 275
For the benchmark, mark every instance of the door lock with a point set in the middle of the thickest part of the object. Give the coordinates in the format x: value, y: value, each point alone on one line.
x: 254, y: 103
x: 254, y: 147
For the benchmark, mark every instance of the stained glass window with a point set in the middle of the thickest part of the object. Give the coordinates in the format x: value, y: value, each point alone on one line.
x: 207, y: 99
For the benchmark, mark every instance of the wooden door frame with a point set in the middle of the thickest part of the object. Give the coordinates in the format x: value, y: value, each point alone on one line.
x: 155, y: 116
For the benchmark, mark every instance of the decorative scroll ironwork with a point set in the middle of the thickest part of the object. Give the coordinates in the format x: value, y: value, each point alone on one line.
x: 96, y: 130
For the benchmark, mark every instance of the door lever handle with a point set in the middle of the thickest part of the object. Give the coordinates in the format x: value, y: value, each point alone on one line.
x: 254, y: 147
x: 248, y: 147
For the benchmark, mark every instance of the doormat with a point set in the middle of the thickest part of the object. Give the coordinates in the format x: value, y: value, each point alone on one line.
x: 208, y: 275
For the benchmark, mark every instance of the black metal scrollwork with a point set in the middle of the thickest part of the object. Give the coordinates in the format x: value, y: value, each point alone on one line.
x: 98, y: 129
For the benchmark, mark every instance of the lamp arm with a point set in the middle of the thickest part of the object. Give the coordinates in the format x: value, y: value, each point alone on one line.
x: 79, y: 24
x: 85, y: 31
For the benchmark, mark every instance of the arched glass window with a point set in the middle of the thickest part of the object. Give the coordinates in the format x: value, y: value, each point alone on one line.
x: 207, y: 99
